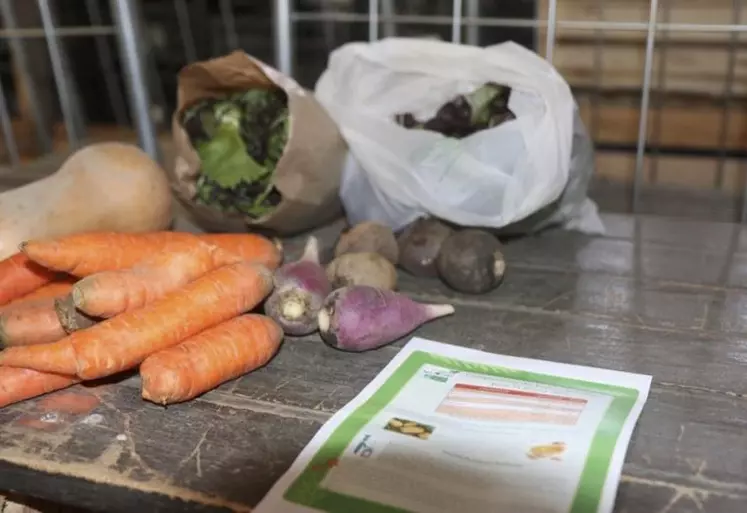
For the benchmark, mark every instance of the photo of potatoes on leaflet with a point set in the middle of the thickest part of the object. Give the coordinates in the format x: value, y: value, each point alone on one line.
x: 553, y: 451
x: 409, y: 427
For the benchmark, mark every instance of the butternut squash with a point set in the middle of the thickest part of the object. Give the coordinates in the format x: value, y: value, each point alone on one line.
x: 103, y: 187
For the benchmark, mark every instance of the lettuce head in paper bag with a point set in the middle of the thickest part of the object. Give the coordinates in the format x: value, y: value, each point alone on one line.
x: 253, y: 148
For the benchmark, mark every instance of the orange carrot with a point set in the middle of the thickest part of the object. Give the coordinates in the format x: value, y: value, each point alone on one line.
x: 206, y: 360
x: 19, y: 276
x: 57, y: 288
x: 109, y: 293
x: 20, y: 384
x: 249, y: 246
x: 29, y: 323
x: 122, y: 342
x: 89, y: 253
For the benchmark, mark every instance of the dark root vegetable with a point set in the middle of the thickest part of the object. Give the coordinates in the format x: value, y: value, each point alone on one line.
x: 369, y: 269
x: 369, y: 237
x: 419, y: 245
x: 471, y: 261
x: 361, y: 318
x: 300, y: 289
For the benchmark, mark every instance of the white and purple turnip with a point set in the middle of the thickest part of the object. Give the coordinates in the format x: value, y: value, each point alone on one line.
x: 361, y: 318
x: 300, y: 289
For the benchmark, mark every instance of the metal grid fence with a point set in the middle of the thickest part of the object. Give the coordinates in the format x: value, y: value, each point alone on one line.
x: 381, y: 18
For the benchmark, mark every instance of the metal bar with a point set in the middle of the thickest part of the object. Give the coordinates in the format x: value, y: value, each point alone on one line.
x: 344, y: 17
x: 229, y: 23
x: 661, y: 81
x: 20, y: 57
x: 7, y: 127
x: 64, y: 87
x: 598, y: 65
x: 373, y: 20
x: 283, y: 21
x: 127, y: 20
x: 456, y: 21
x: 552, y: 15
x: 329, y: 27
x: 387, y: 8
x: 736, y: 11
x: 185, y: 30
x: 106, y: 58
x: 473, y: 31
x: 103, y: 30
x: 645, y: 96
x: 155, y: 87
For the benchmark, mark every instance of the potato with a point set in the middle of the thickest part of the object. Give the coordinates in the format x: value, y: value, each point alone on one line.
x: 369, y: 237
x: 370, y: 269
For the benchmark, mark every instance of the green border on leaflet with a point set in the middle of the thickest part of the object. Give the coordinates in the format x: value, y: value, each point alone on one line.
x: 307, y: 491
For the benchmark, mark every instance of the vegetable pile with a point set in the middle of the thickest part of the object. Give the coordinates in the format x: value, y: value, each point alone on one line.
x: 239, y: 139
x: 177, y: 304
x: 486, y: 107
x: 352, y: 303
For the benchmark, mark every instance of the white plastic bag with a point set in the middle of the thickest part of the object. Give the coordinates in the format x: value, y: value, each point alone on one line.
x: 523, y: 170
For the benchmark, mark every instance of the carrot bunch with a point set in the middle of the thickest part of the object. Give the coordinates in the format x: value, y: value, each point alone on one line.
x: 176, y: 304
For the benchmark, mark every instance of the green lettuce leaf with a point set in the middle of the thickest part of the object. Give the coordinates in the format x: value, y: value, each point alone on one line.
x: 225, y: 160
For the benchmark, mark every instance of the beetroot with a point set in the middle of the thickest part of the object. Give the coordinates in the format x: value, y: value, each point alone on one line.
x: 359, y: 318
x: 471, y: 261
x: 300, y: 289
x: 419, y: 245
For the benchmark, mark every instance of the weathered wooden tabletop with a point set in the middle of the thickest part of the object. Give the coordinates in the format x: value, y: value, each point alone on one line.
x: 655, y: 296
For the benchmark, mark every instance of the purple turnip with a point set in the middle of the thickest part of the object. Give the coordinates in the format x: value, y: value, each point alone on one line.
x: 300, y: 289
x: 360, y: 318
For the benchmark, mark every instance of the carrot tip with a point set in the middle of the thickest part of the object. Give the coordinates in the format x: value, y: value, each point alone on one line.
x: 77, y: 296
x: 70, y: 317
x: 22, y: 246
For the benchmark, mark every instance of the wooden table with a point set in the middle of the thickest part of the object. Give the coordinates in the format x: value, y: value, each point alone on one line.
x: 655, y: 296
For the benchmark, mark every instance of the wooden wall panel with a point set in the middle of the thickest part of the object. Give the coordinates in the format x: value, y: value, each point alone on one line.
x: 689, y: 84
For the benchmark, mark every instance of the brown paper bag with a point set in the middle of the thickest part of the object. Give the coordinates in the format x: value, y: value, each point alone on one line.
x: 307, y: 175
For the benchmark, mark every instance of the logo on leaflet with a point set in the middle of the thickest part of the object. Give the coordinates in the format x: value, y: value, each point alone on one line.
x: 363, y: 449
x: 439, y: 375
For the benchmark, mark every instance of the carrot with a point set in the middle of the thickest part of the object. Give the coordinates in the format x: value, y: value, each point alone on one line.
x: 70, y: 317
x: 30, y: 323
x: 89, y: 253
x: 109, y: 293
x: 206, y: 360
x: 57, y: 288
x: 122, y: 342
x: 249, y: 246
x: 20, y: 276
x: 20, y: 384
